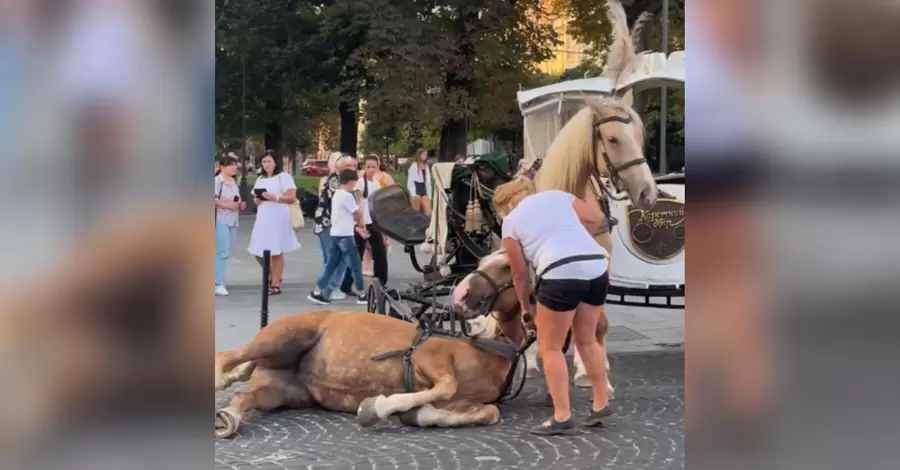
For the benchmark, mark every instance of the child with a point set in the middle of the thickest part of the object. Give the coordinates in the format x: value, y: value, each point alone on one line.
x: 346, y: 217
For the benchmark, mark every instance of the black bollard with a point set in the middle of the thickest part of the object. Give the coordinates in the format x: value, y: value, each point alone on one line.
x: 264, y: 309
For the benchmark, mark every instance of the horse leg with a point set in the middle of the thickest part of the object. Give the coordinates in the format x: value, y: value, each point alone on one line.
x: 454, y: 414
x: 278, y: 346
x: 531, y: 359
x: 581, y: 378
x: 380, y: 408
x: 270, y: 389
x: 240, y: 373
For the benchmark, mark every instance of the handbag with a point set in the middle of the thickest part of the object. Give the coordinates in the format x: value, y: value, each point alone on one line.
x: 297, y: 220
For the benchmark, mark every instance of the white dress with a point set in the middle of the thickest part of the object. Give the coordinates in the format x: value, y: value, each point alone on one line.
x: 272, y: 230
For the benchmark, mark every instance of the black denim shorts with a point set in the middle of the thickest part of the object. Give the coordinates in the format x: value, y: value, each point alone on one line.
x: 563, y: 295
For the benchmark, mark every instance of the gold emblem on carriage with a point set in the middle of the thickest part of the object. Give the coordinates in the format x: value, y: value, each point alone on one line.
x: 658, y: 233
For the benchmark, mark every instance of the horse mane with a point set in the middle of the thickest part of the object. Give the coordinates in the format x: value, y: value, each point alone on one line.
x: 569, y: 162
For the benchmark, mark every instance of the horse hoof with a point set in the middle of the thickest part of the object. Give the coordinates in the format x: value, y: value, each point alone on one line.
x: 583, y: 381
x: 532, y: 373
x: 366, y: 413
x: 227, y: 422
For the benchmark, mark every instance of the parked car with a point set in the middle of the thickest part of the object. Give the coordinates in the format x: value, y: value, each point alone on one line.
x: 314, y: 168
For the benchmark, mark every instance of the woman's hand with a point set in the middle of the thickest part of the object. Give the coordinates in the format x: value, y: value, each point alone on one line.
x: 242, y: 206
x: 362, y: 231
x: 528, y: 318
x: 257, y: 201
x: 270, y: 197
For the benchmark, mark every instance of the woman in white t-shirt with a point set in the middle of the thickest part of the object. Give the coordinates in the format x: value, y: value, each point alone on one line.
x: 272, y: 229
x: 550, y: 231
x: 418, y: 182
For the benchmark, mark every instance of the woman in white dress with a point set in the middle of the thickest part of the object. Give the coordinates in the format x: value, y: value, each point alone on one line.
x: 272, y: 230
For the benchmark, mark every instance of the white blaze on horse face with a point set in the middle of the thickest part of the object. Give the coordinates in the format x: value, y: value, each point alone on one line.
x: 460, y: 291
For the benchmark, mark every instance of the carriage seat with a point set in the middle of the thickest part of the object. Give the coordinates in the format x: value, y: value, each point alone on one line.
x: 394, y: 216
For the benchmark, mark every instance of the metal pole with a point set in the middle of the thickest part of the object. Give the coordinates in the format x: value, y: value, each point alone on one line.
x: 264, y: 310
x: 664, y: 95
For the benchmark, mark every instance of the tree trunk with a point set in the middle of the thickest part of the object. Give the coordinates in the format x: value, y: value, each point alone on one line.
x: 273, y: 137
x: 349, y: 126
x: 454, y: 139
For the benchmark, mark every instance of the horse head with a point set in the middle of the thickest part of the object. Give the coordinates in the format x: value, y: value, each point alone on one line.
x: 606, y: 137
x: 486, y: 299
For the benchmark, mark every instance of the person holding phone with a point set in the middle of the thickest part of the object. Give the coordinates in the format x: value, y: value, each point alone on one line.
x: 272, y: 231
x: 228, y: 203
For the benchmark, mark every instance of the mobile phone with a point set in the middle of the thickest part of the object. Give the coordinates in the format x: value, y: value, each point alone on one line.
x: 259, y: 192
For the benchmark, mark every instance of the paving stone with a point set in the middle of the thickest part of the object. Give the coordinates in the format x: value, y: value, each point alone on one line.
x: 648, y: 432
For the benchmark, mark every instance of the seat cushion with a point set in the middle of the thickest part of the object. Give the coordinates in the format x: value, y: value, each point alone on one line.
x: 392, y: 213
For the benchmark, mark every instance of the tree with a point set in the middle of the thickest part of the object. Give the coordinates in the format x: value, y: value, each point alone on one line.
x: 273, y: 50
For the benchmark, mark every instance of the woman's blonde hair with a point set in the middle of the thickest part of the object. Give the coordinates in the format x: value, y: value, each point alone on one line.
x: 507, y: 192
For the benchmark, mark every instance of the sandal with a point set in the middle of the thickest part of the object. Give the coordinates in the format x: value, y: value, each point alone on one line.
x: 598, y: 417
x: 274, y: 290
x: 552, y: 427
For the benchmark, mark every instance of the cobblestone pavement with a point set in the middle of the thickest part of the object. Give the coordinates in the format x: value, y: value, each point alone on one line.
x: 648, y: 432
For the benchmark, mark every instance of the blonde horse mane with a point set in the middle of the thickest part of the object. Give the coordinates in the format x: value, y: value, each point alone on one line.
x: 569, y: 162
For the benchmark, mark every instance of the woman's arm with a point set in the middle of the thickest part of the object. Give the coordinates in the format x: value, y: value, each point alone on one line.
x: 590, y: 214
x: 520, y: 274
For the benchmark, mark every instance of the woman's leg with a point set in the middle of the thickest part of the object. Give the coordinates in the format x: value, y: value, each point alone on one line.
x: 593, y: 355
x: 223, y: 246
x: 552, y: 328
x: 416, y: 203
x: 277, y: 270
x: 379, y: 255
x: 426, y: 205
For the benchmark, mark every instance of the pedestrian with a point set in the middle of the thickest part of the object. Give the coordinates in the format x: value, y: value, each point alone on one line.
x: 272, y: 229
x: 367, y: 185
x: 418, y: 183
x: 228, y: 203
x: 551, y: 231
x: 328, y: 185
x: 346, y: 221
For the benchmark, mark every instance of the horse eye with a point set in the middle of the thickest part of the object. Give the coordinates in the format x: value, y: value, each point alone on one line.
x: 613, y: 140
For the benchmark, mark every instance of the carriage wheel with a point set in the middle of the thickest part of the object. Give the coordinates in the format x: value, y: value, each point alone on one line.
x: 375, y: 300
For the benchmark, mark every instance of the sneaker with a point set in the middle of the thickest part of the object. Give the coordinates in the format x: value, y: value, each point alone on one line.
x: 317, y: 298
x: 362, y: 299
x: 221, y: 290
x: 338, y: 295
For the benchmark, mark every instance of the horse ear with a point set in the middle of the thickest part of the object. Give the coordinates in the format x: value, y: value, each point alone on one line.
x: 627, y: 98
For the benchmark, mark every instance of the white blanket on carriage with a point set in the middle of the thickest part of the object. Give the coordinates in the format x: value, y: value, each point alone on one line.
x: 436, y: 241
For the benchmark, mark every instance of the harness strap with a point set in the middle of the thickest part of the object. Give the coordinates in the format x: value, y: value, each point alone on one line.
x: 570, y: 260
x: 408, y: 382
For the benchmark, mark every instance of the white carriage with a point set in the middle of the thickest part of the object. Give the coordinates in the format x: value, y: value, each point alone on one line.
x: 648, y: 246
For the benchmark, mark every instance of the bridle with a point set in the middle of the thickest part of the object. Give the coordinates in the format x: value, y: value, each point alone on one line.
x: 486, y: 304
x: 613, y: 170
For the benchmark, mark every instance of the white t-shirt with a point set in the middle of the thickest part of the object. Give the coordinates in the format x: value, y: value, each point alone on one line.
x: 374, y: 185
x: 343, y: 205
x: 546, y: 226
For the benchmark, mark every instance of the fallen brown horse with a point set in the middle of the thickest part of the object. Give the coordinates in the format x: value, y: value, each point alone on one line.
x: 330, y: 359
